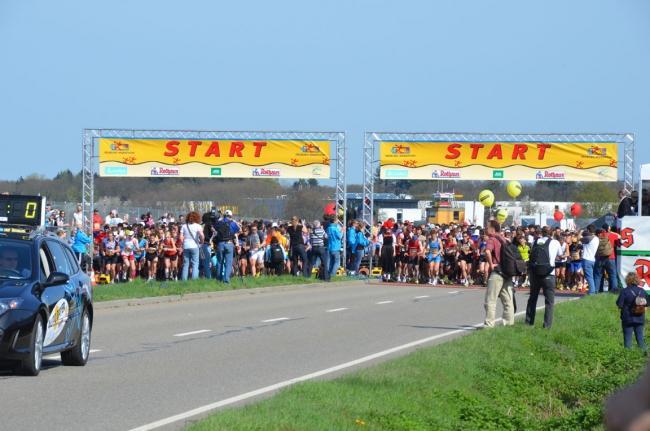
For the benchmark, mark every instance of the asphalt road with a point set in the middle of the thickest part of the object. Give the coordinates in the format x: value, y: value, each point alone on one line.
x: 156, y: 361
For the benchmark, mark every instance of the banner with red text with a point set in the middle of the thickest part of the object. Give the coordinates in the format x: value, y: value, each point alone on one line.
x: 523, y: 161
x: 634, y: 252
x: 214, y: 158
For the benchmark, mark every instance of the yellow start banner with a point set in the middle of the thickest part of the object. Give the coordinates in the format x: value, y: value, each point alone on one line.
x: 214, y: 158
x: 523, y: 161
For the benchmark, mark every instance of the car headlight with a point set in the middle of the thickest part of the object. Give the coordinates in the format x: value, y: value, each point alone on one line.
x: 7, y: 304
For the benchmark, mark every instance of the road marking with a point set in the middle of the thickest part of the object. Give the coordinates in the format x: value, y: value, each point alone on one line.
x: 200, y: 331
x: 284, y: 384
x: 452, y: 292
x: 421, y: 296
x: 384, y: 302
x: 334, y: 310
x: 57, y: 355
x: 279, y: 319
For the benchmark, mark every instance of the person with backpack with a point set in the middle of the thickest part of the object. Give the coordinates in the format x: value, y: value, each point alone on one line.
x: 632, y: 302
x: 606, y: 260
x: 276, y: 257
x: 499, y: 285
x: 543, y: 256
x: 226, y: 231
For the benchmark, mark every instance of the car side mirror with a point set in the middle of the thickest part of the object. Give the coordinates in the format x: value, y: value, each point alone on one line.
x: 56, y: 279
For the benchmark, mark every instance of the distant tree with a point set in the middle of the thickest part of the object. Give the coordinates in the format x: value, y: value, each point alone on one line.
x: 597, y: 199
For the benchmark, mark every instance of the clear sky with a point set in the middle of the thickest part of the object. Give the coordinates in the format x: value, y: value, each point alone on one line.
x: 371, y: 65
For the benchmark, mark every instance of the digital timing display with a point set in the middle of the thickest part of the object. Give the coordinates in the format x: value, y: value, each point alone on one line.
x: 23, y: 210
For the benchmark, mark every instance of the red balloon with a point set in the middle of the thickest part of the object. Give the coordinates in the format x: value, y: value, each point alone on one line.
x: 558, y: 216
x: 330, y: 209
x: 576, y: 210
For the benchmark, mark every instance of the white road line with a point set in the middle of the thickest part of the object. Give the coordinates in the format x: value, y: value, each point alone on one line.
x: 452, y: 292
x: 284, y: 384
x: 334, y: 310
x: 384, y: 302
x: 279, y: 319
x: 200, y: 331
x: 58, y: 355
x: 421, y: 296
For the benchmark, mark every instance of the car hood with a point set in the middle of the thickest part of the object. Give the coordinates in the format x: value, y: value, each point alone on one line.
x: 11, y: 288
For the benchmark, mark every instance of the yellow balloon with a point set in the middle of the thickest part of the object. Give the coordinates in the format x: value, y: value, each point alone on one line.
x: 501, y: 215
x: 514, y: 189
x: 486, y: 198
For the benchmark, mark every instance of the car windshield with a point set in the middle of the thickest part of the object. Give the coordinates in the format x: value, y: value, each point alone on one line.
x: 15, y: 259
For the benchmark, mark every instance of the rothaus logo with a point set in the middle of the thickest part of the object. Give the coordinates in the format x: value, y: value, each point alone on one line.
x: 263, y: 172
x: 549, y: 175
x: 445, y: 173
x: 162, y: 171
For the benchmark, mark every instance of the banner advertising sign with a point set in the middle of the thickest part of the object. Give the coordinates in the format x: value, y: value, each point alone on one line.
x: 634, y: 253
x: 214, y: 158
x: 502, y: 161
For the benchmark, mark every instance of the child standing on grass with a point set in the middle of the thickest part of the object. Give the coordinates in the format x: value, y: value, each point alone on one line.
x: 633, y: 301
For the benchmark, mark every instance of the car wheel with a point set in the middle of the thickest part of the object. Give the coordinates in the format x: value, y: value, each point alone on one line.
x: 78, y: 355
x: 32, y: 365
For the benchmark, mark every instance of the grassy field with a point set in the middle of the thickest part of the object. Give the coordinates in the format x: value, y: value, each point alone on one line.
x: 142, y: 289
x: 517, y: 378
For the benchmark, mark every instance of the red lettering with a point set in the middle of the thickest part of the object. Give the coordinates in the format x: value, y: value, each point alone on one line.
x: 236, y: 147
x: 519, y: 151
x: 475, y: 148
x: 627, y: 237
x: 213, y: 150
x: 643, y: 270
x: 172, y: 148
x: 495, y: 152
x: 542, y: 150
x: 452, y: 149
x: 258, y: 147
x: 193, y: 145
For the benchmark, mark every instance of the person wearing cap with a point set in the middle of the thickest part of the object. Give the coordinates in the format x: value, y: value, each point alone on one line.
x: 227, y: 230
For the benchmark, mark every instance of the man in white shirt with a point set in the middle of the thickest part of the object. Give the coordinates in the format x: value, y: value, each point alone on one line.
x: 589, y: 248
x: 78, y: 218
x: 542, y: 276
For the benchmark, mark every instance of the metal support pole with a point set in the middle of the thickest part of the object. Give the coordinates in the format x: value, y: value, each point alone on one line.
x: 628, y: 166
x: 341, y: 186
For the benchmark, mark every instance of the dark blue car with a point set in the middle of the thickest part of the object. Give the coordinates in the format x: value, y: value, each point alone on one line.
x: 45, y: 301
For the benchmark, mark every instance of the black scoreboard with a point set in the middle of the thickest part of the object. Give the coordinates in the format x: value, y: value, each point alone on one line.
x: 22, y: 210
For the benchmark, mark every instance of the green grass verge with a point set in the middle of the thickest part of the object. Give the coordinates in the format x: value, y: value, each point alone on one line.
x: 517, y: 378
x: 142, y: 289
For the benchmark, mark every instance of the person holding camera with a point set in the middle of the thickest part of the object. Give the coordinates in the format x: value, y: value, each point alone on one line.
x: 543, y: 256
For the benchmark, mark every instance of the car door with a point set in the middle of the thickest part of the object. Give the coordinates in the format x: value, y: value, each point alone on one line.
x: 60, y: 299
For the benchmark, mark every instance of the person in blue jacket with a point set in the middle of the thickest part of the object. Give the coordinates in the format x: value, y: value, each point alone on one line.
x: 361, y: 243
x: 80, y: 241
x: 351, y: 244
x: 334, y: 244
x: 632, y: 317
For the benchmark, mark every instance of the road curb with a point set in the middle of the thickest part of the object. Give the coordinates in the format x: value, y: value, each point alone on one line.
x: 134, y: 302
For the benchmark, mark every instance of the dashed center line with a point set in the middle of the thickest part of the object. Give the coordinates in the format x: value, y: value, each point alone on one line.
x: 452, y: 292
x: 384, y: 302
x: 334, y: 310
x: 422, y: 297
x: 200, y: 331
x: 278, y: 319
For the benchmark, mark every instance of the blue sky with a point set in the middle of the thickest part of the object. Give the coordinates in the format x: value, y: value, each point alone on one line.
x: 428, y: 66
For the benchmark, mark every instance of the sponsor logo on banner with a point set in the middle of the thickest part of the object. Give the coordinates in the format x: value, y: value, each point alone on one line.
x: 497, y: 174
x: 317, y: 171
x: 397, y: 173
x: 119, y: 146
x: 549, y: 175
x: 596, y: 151
x: 445, y: 173
x: 310, y: 148
x: 215, y: 172
x: 264, y: 172
x: 115, y: 170
x: 400, y: 149
x: 165, y: 172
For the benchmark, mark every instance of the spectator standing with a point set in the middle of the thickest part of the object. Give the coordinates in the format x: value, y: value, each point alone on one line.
x: 334, y: 244
x: 351, y: 244
x: 361, y: 242
x: 78, y: 218
x: 81, y: 240
x: 543, y: 257
x: 193, y: 238
x: 589, y: 249
x: 227, y: 230
x: 209, y: 220
x: 498, y: 286
x: 625, y: 205
x: 317, y: 238
x: 297, y: 244
x: 632, y: 302
x: 606, y: 260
